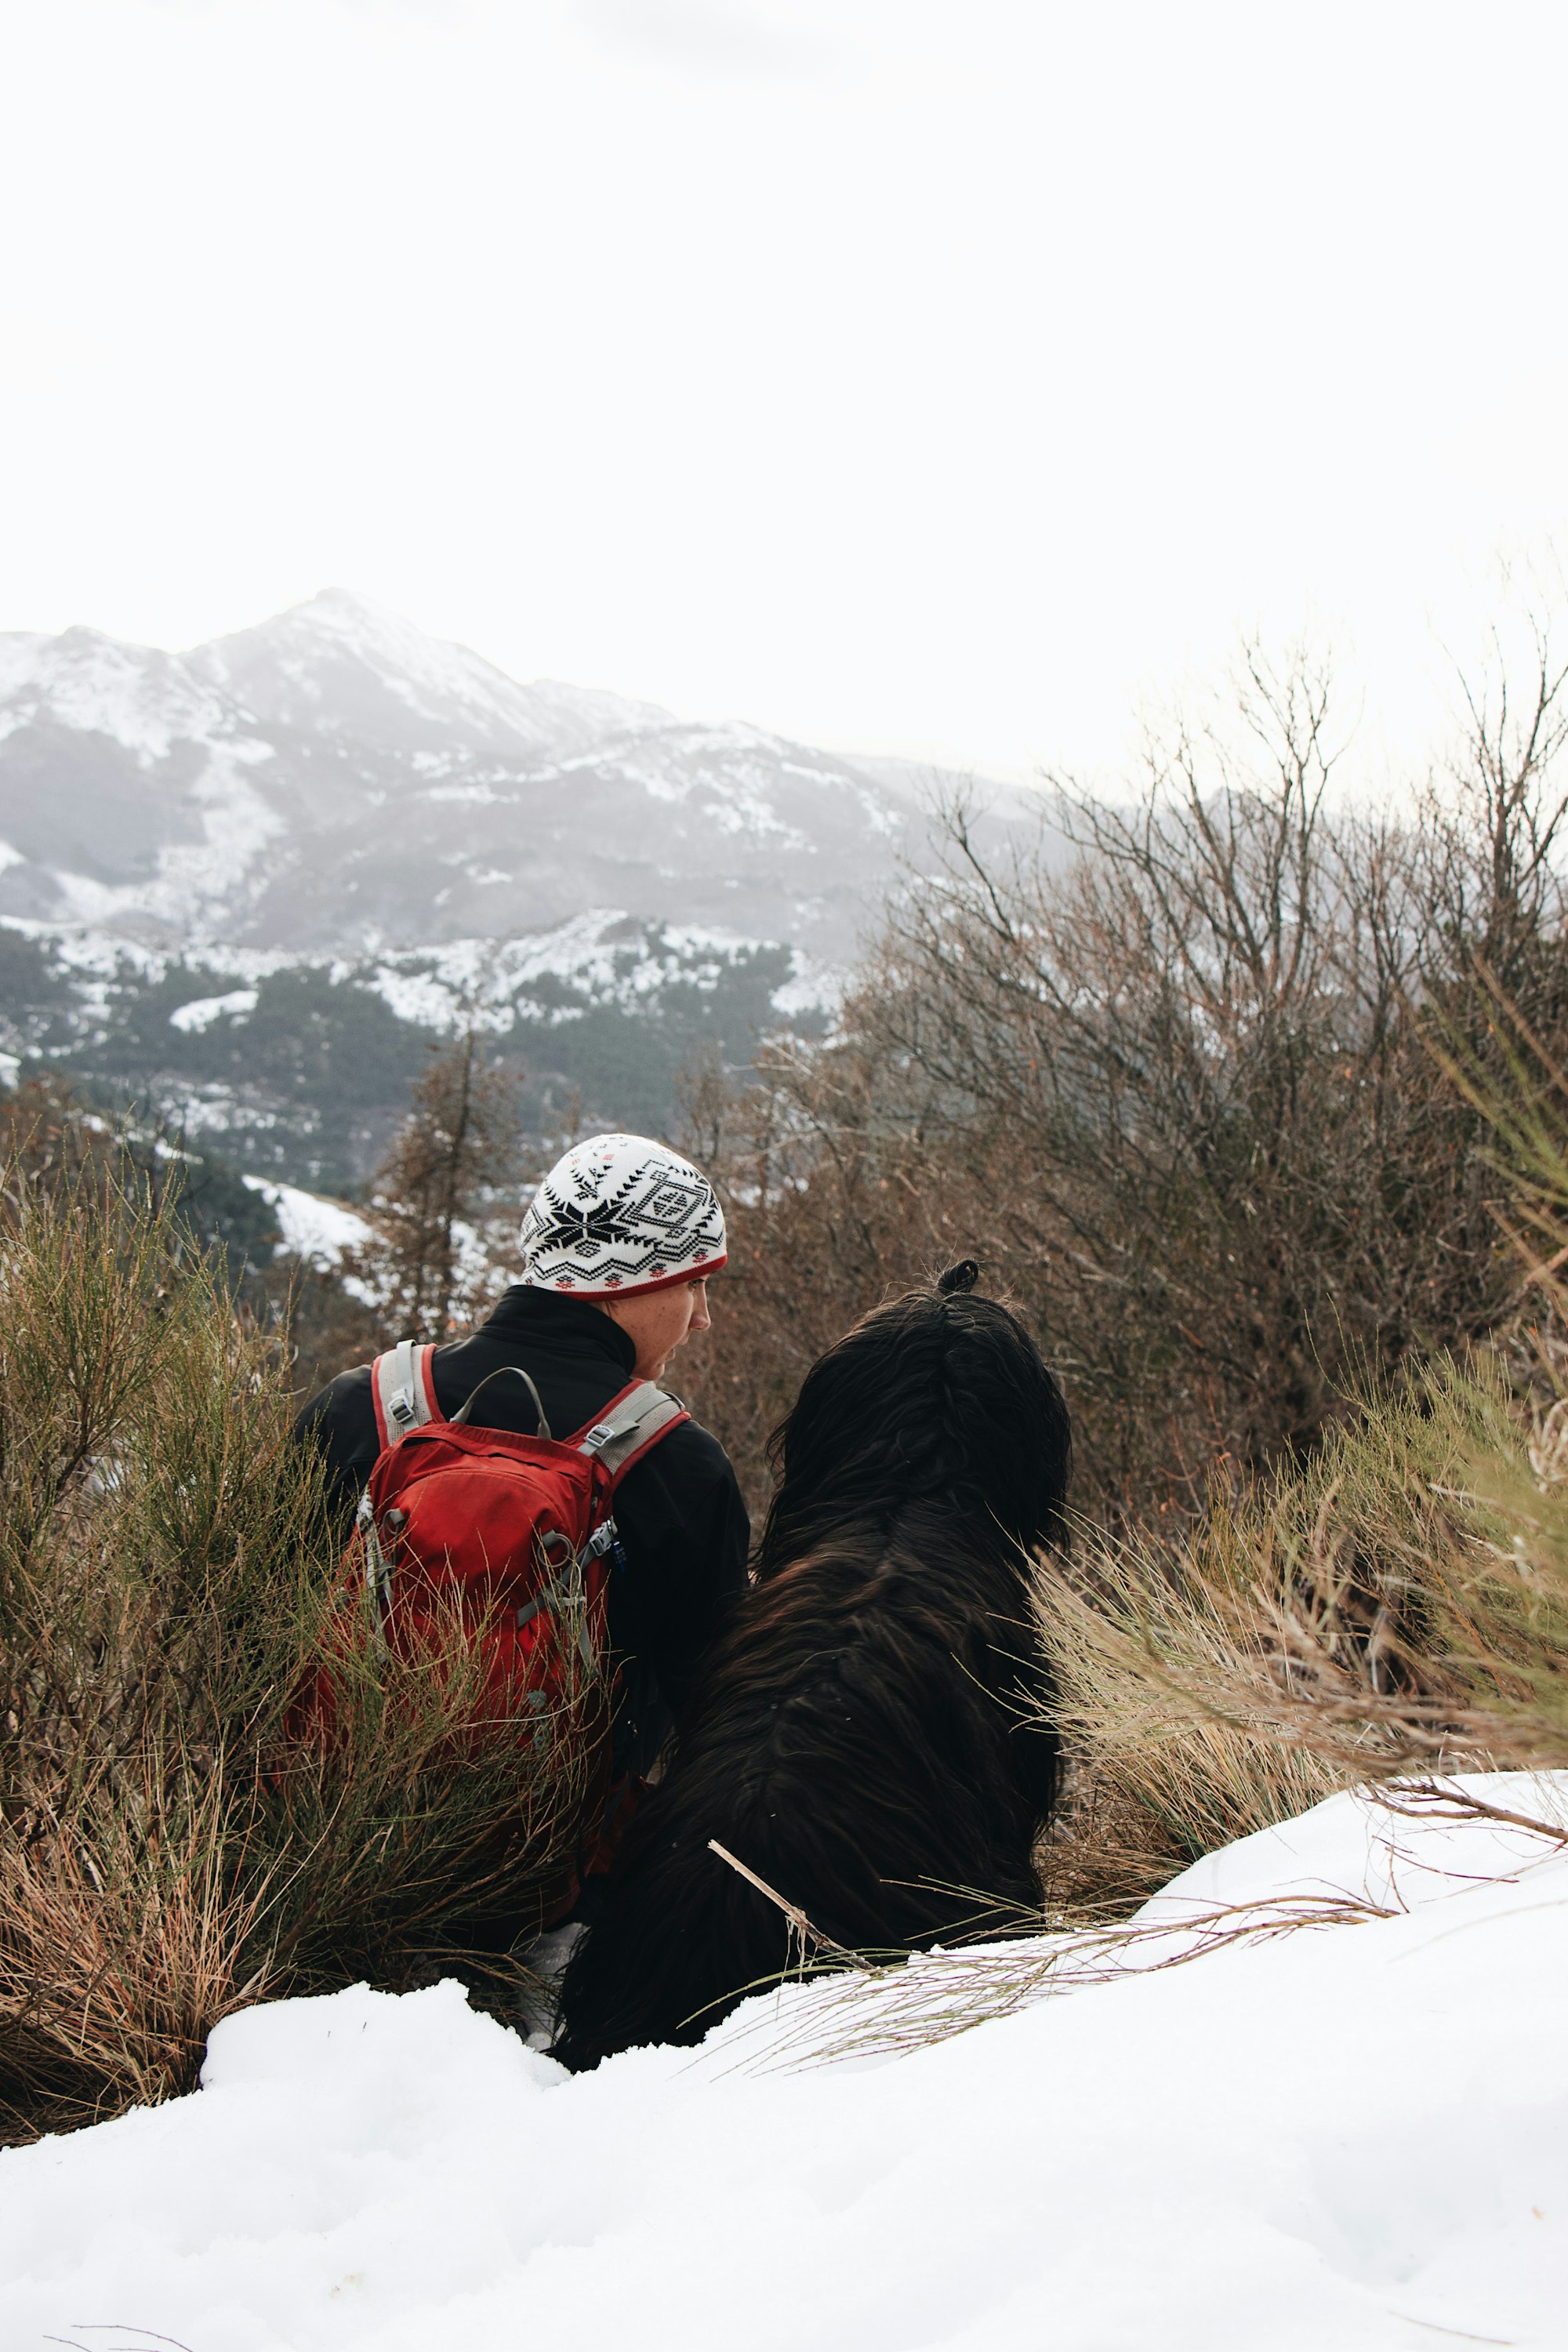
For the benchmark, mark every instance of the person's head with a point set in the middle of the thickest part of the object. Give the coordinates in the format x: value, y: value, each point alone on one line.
x: 657, y: 1322
x: 937, y: 1397
x: 634, y: 1229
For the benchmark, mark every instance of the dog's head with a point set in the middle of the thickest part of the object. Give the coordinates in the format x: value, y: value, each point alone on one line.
x: 938, y: 1397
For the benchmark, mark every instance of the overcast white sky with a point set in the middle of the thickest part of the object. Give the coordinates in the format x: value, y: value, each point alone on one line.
x: 930, y: 374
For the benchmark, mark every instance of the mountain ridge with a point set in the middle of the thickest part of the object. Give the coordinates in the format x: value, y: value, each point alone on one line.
x: 246, y: 885
x: 297, y: 786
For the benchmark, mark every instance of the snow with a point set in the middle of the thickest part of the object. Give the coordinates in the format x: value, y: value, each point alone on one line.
x: 317, y: 1230
x: 1412, y: 1862
x: 22, y: 652
x: 145, y: 699
x: 425, y: 997
x: 281, y: 742
x: 218, y: 1110
x: 432, y: 678
x: 812, y: 987
x: 198, y: 888
x: 602, y: 951
x: 1350, y: 2138
x: 203, y: 1011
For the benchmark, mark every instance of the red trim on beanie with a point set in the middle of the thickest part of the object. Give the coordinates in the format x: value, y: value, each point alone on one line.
x: 625, y: 1290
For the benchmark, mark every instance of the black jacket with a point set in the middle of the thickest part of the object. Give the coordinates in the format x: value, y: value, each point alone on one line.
x: 682, y: 1525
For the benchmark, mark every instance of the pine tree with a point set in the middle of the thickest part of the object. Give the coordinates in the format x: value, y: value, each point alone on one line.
x: 459, y: 1142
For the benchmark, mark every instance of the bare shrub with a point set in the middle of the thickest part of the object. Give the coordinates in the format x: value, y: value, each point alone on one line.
x: 1179, y: 1098
x: 1224, y: 1108
x: 175, y: 1838
x: 824, y: 1221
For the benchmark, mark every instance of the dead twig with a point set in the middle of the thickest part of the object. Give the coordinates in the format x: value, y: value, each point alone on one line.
x: 1429, y: 1800
x: 792, y: 1911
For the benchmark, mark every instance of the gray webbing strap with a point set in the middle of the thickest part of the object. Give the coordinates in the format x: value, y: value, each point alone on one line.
x: 400, y: 1390
x: 460, y: 1418
x: 641, y: 1416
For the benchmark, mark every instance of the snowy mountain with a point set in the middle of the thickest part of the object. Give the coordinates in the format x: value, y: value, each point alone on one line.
x: 335, y: 780
x: 247, y: 884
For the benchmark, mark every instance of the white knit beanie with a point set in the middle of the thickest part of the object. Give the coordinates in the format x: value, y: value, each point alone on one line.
x: 621, y: 1212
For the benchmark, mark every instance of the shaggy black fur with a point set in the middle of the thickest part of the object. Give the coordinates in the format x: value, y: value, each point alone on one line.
x: 853, y: 1734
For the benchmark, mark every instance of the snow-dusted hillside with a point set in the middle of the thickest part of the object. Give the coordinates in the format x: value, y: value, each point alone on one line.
x: 335, y: 780
x: 1349, y: 2137
x: 246, y: 885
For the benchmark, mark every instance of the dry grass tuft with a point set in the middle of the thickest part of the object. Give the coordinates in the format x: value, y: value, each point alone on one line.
x: 1399, y: 1603
x: 1140, y: 1641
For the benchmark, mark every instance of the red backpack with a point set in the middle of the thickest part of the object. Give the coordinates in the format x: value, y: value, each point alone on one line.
x: 509, y: 1535
x: 514, y: 1531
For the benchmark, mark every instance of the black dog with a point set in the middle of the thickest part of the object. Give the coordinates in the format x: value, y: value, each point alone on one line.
x: 856, y: 1736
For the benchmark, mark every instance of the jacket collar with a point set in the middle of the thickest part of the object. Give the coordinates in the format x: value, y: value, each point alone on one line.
x: 568, y: 1326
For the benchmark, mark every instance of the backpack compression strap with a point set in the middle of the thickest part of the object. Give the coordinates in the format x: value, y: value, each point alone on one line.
x: 403, y: 1389
x: 630, y: 1425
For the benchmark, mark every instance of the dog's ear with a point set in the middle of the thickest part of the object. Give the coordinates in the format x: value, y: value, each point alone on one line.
x: 958, y: 1278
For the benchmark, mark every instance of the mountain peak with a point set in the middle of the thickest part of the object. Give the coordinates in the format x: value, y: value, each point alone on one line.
x: 344, y: 621
x: 335, y: 775
x: 341, y: 662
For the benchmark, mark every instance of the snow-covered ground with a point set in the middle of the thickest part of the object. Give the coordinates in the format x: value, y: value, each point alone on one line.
x: 1348, y: 2137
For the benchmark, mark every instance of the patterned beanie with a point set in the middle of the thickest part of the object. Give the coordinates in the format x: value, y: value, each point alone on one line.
x: 619, y: 1213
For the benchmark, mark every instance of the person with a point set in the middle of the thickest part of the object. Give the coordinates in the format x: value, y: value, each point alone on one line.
x: 618, y: 1248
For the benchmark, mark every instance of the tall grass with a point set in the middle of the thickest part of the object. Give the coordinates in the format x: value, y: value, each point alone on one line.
x: 178, y: 1837
x: 1398, y: 1603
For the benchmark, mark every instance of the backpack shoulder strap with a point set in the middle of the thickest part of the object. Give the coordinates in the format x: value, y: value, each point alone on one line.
x: 629, y: 1425
x: 403, y: 1389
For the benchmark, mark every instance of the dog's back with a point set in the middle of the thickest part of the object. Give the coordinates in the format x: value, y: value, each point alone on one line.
x: 858, y: 1737
x: 857, y: 1740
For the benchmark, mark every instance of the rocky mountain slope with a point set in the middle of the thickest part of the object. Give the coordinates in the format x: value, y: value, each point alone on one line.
x: 247, y: 884
x: 334, y: 781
